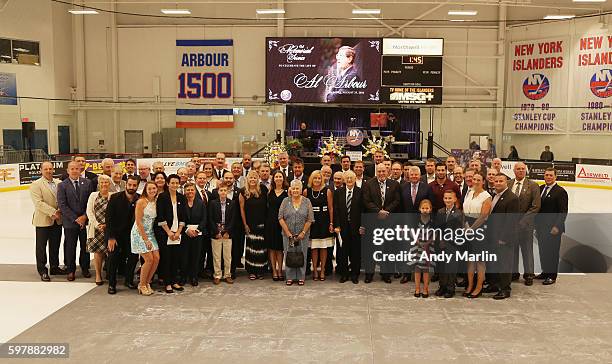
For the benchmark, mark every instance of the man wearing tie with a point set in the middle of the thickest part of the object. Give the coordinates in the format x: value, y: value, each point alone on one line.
x: 283, y: 166
x: 130, y: 169
x: 72, y: 195
x: 502, y: 223
x: 298, y: 172
x: 220, y: 166
x: 206, y: 259
x: 264, y: 176
x: 360, y: 179
x: 47, y: 219
x: 246, y: 164
x: 459, y: 179
x: 348, y: 205
x: 528, y: 193
x: 451, y: 163
x: 144, y: 175
x: 550, y: 225
x: 468, y: 178
x: 381, y: 196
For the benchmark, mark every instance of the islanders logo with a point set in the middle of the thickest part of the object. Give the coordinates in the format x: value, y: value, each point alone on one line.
x: 536, y: 86
x: 601, y: 83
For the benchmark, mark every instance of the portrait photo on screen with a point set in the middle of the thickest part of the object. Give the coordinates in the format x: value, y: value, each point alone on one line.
x: 323, y: 70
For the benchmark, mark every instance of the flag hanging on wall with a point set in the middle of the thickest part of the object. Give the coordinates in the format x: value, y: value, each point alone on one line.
x: 204, y: 79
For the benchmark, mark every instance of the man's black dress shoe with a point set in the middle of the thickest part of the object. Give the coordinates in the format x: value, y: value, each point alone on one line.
x: 449, y: 294
x: 440, y: 292
x: 540, y: 276
x: 549, y: 281
x: 501, y: 295
x: 405, y: 279
x: 489, y: 289
x: 396, y: 275
x: 86, y: 273
x: 71, y: 276
x: 45, y: 277
x: 343, y: 279
x: 112, y: 290
x: 57, y: 271
x: 130, y: 285
x: 515, y: 277
x: 387, y: 279
x: 529, y: 281
x: 368, y: 278
x: 355, y: 280
x: 194, y: 282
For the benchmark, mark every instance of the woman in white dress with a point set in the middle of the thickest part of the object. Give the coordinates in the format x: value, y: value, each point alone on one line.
x: 143, y: 238
x: 476, y: 207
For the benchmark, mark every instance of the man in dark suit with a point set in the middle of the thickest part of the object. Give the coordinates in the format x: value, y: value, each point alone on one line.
x: 298, y: 172
x: 237, y: 232
x: 119, y: 222
x: 430, y: 171
x: 449, y: 217
x: 84, y: 174
x: 283, y: 165
x: 206, y: 260
x: 414, y: 191
x: 502, y: 229
x: 378, y: 157
x: 528, y: 193
x: 343, y: 74
x: 130, y: 169
x: 72, y: 195
x: 550, y: 225
x: 220, y: 170
x: 348, y: 205
x: 381, y: 196
x: 359, y: 169
x: 468, y: 181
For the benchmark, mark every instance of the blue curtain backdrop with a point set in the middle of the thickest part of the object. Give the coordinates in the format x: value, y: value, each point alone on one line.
x: 324, y: 120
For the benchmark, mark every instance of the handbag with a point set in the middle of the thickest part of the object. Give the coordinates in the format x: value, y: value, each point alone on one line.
x: 294, y: 259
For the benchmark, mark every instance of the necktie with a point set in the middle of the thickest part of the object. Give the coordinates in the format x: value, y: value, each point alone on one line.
x: 414, y: 193
x: 219, y: 174
x: 349, y: 198
x: 448, y: 212
x: 517, y: 189
x: 77, y: 189
x: 382, y: 192
x: 545, y: 192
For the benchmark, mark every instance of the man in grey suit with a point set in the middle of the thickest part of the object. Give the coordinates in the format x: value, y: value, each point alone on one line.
x: 528, y: 193
x: 72, y: 195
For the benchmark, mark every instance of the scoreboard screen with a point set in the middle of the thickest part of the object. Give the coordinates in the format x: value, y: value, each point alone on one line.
x: 411, y: 71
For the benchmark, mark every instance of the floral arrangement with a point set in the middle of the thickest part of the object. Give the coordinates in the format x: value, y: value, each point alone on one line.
x: 375, y: 145
x: 272, y: 151
x: 331, y: 147
x: 294, y: 147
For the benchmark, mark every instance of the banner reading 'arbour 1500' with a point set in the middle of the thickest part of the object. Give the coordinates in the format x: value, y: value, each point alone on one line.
x: 323, y: 70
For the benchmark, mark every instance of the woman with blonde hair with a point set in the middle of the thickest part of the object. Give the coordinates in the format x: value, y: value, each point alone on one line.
x: 143, y: 238
x: 321, y: 237
x: 253, y: 206
x: 96, y: 229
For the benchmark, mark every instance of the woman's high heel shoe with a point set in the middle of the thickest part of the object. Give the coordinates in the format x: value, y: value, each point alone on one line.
x: 143, y: 290
x: 471, y: 295
x: 468, y: 292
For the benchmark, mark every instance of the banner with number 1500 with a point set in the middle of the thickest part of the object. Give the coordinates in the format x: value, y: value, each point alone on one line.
x: 205, y: 71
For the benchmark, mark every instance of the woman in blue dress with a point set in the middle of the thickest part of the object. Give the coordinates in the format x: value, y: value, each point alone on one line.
x: 143, y: 239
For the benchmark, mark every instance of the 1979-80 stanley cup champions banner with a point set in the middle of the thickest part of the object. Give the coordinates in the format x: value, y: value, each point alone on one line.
x: 323, y: 70
x: 537, y: 86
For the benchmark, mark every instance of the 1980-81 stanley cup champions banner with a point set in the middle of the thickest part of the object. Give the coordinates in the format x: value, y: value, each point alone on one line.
x: 592, y: 84
x: 537, y: 85
x: 323, y: 70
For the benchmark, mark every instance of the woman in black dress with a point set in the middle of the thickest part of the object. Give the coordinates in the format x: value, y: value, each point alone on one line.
x: 321, y: 230
x: 274, y: 238
x: 253, y: 206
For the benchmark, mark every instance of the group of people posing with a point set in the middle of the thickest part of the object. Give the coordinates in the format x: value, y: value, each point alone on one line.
x: 202, y: 221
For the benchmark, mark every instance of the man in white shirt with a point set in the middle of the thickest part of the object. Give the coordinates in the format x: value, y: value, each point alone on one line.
x: 236, y: 170
x: 144, y: 174
x: 264, y: 175
x: 220, y: 165
x: 246, y: 164
x: 359, y: 168
x: 396, y: 172
x: 430, y: 171
x: 451, y: 163
x: 192, y: 168
x: 345, y: 163
x: 298, y: 172
x: 283, y: 165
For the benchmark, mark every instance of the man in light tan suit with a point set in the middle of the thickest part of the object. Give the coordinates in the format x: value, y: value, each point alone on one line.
x: 48, y: 222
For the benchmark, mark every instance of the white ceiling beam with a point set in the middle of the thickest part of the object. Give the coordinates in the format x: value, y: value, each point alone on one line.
x: 468, y: 77
x: 418, y: 17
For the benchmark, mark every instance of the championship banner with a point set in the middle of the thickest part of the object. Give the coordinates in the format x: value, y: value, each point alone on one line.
x: 204, y: 77
x: 537, y: 87
x: 323, y: 70
x: 592, y: 85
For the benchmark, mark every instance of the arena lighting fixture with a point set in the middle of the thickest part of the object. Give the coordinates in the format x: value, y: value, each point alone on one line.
x: 366, y: 11
x: 83, y: 12
x: 270, y: 11
x: 176, y: 11
x: 463, y: 12
x: 559, y: 17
